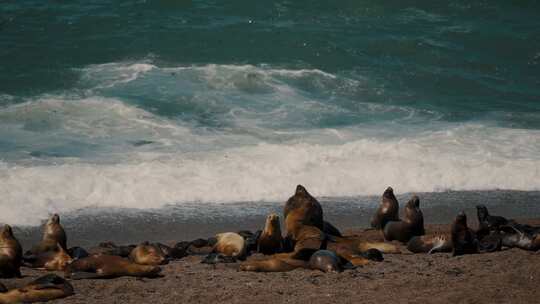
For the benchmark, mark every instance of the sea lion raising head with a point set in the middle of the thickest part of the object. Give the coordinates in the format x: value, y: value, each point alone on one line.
x: 411, y: 225
x: 148, y: 254
x: 43, y: 289
x: 53, y: 233
x: 388, y: 210
x: 302, y: 209
x: 10, y: 254
x: 108, y: 266
x: 463, y: 238
x: 270, y: 241
x: 50, y: 260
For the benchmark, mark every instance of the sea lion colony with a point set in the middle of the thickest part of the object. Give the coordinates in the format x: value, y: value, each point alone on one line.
x: 309, y: 242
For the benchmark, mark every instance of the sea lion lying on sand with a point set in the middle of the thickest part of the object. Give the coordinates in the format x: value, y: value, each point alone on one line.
x: 45, y: 288
x: 521, y: 236
x: 108, y: 266
x: 110, y: 248
x: 430, y: 244
x: 148, y: 254
x: 56, y: 260
x: 388, y: 210
x: 10, y: 254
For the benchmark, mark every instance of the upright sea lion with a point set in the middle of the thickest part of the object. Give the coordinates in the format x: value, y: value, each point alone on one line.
x: 148, y: 254
x: 53, y: 234
x: 463, y: 239
x: 270, y: 241
x: 45, y: 288
x: 387, y: 211
x: 50, y: 260
x: 230, y: 244
x: 430, y: 244
x: 306, y: 211
x: 108, y: 266
x: 10, y: 254
x: 488, y: 223
x: 411, y: 225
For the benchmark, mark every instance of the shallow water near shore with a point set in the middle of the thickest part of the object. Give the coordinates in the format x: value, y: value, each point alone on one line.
x: 88, y: 227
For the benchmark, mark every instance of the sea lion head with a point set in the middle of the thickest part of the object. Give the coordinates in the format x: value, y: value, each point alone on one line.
x: 389, y: 192
x: 300, y: 190
x: 461, y: 219
x: 148, y: 254
x: 7, y: 232
x: 54, y: 220
x: 414, y: 203
x: 272, y: 222
x: 60, y: 260
x: 482, y: 212
x: 326, y: 261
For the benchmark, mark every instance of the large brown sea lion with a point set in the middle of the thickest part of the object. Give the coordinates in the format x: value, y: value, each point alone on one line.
x: 108, y: 266
x: 45, y: 288
x: 387, y: 211
x: 148, y: 254
x: 51, y: 260
x: 411, y: 225
x: 10, y: 254
x: 270, y: 241
x: 430, y: 244
x: 53, y: 234
x: 302, y: 209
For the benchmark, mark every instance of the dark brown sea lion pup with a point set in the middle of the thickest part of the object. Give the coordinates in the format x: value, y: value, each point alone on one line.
x: 108, y: 266
x: 53, y: 234
x: 51, y: 260
x: 148, y: 254
x: 411, y: 225
x: 430, y: 244
x: 45, y: 288
x: 463, y: 238
x: 270, y: 241
x: 488, y: 223
x: 10, y: 254
x: 387, y: 211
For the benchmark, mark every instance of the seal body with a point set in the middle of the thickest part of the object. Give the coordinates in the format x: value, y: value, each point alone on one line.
x: 463, y: 238
x: 521, y: 236
x: 148, y: 254
x: 45, y: 288
x: 411, y: 225
x: 388, y: 210
x: 53, y: 234
x: 302, y: 209
x: 51, y: 260
x: 430, y: 244
x: 108, y: 266
x: 270, y: 240
x: 325, y: 261
x: 488, y: 223
x: 10, y: 254
x: 230, y: 244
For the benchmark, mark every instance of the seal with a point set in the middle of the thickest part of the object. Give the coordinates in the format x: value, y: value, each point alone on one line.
x: 388, y: 210
x: 45, y: 288
x: 270, y: 240
x: 77, y: 252
x: 53, y: 233
x: 326, y: 261
x: 521, y: 236
x: 230, y: 244
x: 302, y: 209
x: 430, y: 244
x: 108, y: 266
x: 463, y: 238
x: 110, y: 248
x: 148, y: 254
x: 488, y: 223
x: 411, y: 225
x: 10, y: 254
x: 51, y: 260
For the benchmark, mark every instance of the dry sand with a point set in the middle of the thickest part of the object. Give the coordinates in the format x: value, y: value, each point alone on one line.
x: 509, y: 276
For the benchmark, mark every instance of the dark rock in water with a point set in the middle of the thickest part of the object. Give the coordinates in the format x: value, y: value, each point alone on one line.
x: 216, y: 258
x: 77, y: 252
x: 373, y: 255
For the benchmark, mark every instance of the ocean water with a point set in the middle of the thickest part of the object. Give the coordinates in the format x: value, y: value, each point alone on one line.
x: 153, y: 105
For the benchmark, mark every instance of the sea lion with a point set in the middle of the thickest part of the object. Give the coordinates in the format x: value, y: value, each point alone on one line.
x: 270, y: 241
x: 216, y: 258
x: 463, y: 239
x: 148, y: 254
x: 172, y: 253
x: 274, y: 265
x: 10, y: 254
x: 520, y: 236
x: 230, y: 244
x: 110, y: 248
x: 53, y: 234
x: 488, y: 223
x: 45, y: 288
x: 302, y: 209
x: 411, y: 225
x: 108, y: 266
x: 77, y: 252
x: 51, y: 260
x: 387, y: 211
x: 326, y: 261
x: 430, y: 244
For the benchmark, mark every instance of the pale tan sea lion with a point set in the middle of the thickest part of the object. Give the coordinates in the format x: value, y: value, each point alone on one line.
x: 230, y: 244
x: 108, y: 266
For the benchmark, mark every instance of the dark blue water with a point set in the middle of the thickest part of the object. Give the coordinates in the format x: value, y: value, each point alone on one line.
x: 140, y: 104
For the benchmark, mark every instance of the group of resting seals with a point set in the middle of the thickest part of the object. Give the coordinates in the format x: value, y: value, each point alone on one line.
x: 309, y: 242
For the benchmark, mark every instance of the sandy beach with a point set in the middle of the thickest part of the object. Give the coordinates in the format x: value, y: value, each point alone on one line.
x: 511, y: 275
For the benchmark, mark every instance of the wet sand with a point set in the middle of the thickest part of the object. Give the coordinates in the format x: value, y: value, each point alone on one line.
x: 511, y: 275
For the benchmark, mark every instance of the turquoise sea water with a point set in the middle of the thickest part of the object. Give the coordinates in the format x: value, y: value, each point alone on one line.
x: 141, y: 104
